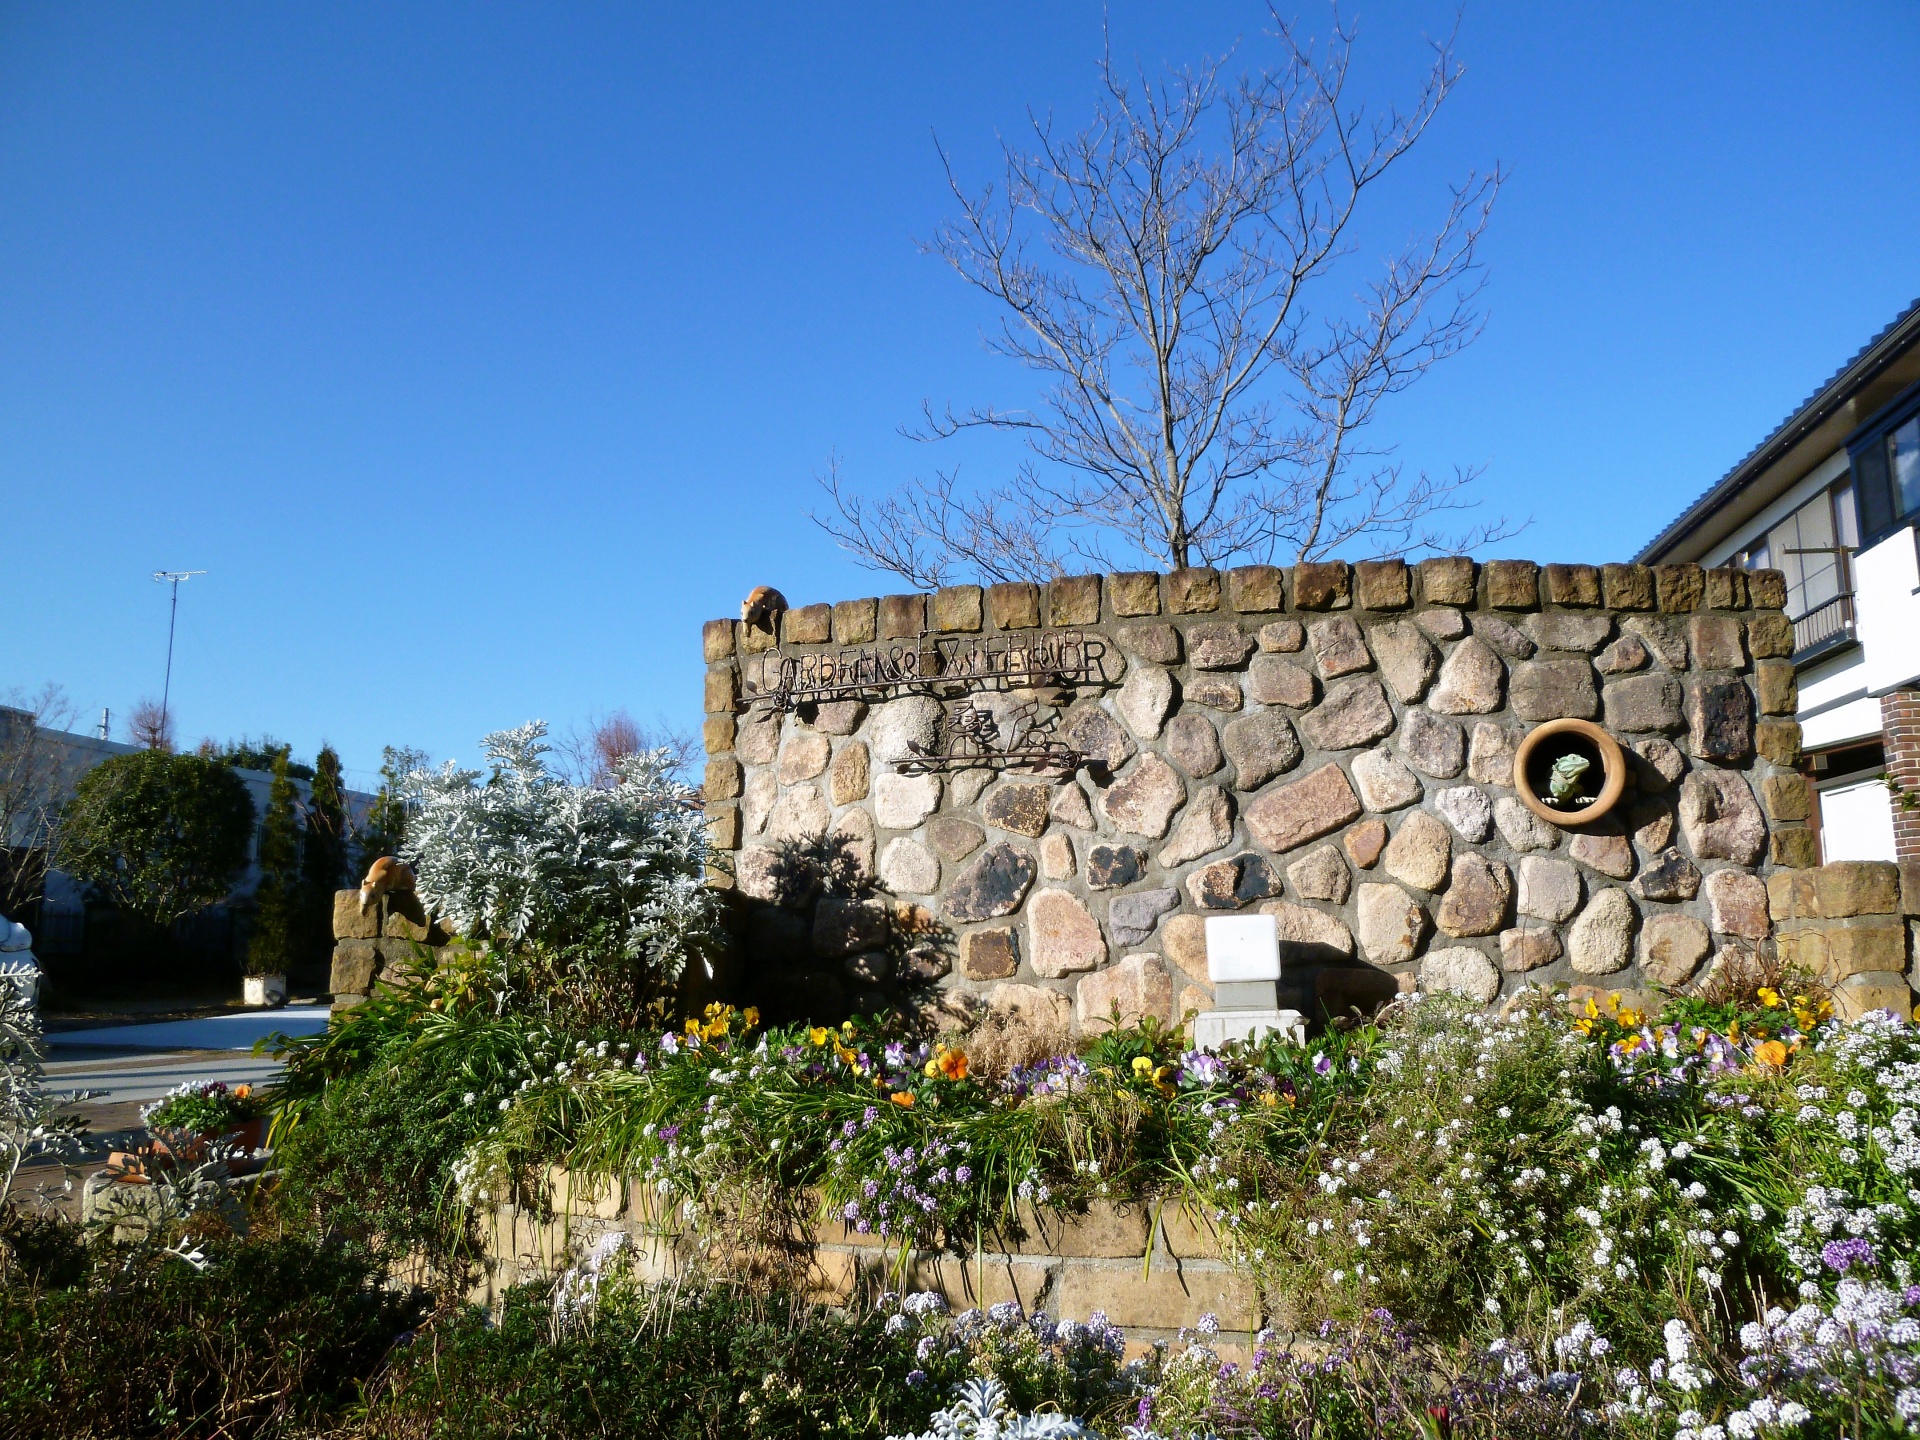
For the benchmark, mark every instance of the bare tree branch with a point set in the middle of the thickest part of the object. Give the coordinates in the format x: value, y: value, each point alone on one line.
x: 34, y: 778
x: 1159, y: 270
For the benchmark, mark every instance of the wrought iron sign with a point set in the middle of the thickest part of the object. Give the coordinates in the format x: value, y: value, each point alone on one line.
x: 931, y: 665
x: 973, y: 737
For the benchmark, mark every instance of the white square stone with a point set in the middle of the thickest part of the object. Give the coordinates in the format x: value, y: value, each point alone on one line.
x: 1212, y: 1029
x: 1243, y: 947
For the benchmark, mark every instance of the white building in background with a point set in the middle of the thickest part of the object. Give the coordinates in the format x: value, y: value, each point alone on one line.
x: 1831, y: 499
x: 60, y: 917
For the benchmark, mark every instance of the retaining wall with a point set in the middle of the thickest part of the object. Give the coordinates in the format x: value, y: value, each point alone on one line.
x: 1851, y: 925
x: 1151, y: 1274
x: 1331, y: 744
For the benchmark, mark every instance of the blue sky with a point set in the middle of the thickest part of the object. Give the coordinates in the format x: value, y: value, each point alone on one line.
x: 478, y: 353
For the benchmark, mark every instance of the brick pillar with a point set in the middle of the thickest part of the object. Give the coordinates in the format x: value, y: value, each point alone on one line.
x: 1900, y: 722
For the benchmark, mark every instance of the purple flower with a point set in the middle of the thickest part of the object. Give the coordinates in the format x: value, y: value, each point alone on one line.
x: 669, y: 1132
x: 1322, y: 1065
x: 851, y: 1210
x: 916, y: 1378
x: 1841, y: 1256
x: 963, y: 1174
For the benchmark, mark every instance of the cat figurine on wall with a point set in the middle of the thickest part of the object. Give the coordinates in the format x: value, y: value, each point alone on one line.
x: 762, y: 609
x: 384, y: 875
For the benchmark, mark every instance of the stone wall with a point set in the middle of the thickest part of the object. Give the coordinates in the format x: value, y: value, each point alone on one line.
x: 1151, y: 1272
x: 1850, y: 924
x: 1330, y: 744
x: 379, y: 946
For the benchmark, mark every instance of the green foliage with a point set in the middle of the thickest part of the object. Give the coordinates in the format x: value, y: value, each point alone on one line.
x: 703, y: 1364
x: 384, y: 830
x: 275, y: 943
x: 158, y: 835
x: 265, y: 1336
x: 205, y: 1107
x: 249, y: 754
x: 323, y: 854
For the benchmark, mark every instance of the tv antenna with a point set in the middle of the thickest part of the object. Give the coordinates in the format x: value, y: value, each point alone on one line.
x: 172, y: 577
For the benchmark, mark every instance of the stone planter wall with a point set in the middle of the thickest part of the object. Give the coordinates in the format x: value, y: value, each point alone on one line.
x: 1150, y: 1284
x: 378, y: 947
x: 1331, y: 744
x: 1850, y: 924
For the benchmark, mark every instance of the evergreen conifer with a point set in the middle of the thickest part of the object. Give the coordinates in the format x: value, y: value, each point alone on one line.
x: 273, y: 947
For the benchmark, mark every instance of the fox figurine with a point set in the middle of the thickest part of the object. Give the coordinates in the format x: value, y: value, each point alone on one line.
x: 763, y: 608
x: 385, y: 874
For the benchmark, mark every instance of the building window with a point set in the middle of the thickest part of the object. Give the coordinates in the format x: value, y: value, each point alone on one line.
x: 1885, y: 456
x: 1903, y: 459
x: 1813, y: 547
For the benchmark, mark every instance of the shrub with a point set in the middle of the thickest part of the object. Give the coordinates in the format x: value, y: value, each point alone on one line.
x: 600, y: 889
x: 267, y: 1334
x: 274, y: 945
x: 159, y: 835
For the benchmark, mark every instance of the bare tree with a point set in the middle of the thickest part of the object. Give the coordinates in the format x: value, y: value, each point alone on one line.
x: 150, y: 726
x: 1164, y: 270
x: 33, y: 784
x: 589, y: 752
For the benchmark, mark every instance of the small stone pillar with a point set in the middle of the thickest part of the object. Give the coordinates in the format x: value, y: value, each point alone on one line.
x: 379, y: 945
x: 1243, y: 963
x: 1847, y: 924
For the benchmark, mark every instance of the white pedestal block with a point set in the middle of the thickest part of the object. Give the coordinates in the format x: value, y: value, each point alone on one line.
x: 1214, y: 1028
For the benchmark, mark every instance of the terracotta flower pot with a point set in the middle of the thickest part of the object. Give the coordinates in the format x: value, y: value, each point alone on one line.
x: 1533, y: 763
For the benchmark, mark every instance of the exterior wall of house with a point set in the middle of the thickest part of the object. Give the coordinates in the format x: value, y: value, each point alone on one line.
x: 1332, y: 744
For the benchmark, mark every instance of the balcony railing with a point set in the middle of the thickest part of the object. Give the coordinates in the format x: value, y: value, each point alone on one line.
x: 1824, y: 627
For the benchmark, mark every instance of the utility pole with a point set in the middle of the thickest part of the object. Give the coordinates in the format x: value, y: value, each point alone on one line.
x: 172, y: 577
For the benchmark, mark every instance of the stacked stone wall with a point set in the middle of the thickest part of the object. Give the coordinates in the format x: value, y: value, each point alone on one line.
x: 1332, y: 744
x: 1851, y: 926
x: 380, y: 945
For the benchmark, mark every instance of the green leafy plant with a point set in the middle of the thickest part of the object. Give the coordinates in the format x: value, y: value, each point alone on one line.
x: 205, y: 1107
x: 274, y: 944
x: 159, y: 835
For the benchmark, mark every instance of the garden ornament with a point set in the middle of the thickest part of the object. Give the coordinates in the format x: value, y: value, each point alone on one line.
x: 763, y: 608
x: 1567, y: 770
x: 384, y: 875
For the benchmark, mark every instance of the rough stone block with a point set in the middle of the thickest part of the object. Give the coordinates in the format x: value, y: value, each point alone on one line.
x: 1130, y: 1297
x: 355, y: 963
x: 1778, y: 742
x: 724, y: 778
x: 1857, y: 887
x: 348, y: 921
x: 1321, y: 585
x: 1577, y: 585
x: 1626, y: 587
x: 723, y: 827
x: 1719, y: 719
x: 717, y: 734
x: 808, y: 625
x: 1768, y: 589
x: 1303, y: 810
x: 854, y: 621
x: 1365, y: 842
x: 993, y: 885
x: 1640, y: 703
x: 1779, y: 691
x: 1383, y: 584
x: 1726, y: 589
x: 1273, y: 681
x: 1134, y: 592
x: 1793, y: 895
x: 1671, y: 949
x: 1256, y: 589
x: 1447, y: 580
x: 1786, y: 796
x: 716, y: 640
x: 1218, y: 647
x: 723, y: 689
x: 1910, y: 887
x: 958, y: 607
x: 1866, y: 943
x: 1353, y: 712
x: 1770, y: 635
x: 1074, y: 600
x: 1014, y: 605
x: 1138, y: 986
x: 1283, y: 637
x: 1556, y: 686
x: 1737, y: 904
x: 988, y: 954
x: 1460, y: 970
x: 1716, y: 642
x: 902, y: 617
x: 1678, y: 588
x: 1511, y: 584
x: 1858, y: 994
x: 1194, y: 591
x: 1471, y: 680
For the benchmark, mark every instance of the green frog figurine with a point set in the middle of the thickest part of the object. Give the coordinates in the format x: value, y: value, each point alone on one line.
x: 1565, y: 782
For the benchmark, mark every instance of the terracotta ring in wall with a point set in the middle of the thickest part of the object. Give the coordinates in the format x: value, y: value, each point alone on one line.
x: 1546, y: 744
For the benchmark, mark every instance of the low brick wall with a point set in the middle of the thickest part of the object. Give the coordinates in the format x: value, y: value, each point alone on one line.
x: 1151, y: 1275
x: 1850, y: 924
x: 378, y: 946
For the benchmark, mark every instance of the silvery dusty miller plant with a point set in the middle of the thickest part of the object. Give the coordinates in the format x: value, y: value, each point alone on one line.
x: 521, y: 855
x: 30, y: 1122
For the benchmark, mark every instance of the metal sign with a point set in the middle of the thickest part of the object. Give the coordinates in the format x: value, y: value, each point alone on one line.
x: 973, y: 737
x: 931, y: 665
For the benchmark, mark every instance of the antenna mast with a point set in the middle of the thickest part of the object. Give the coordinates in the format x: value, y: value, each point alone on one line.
x: 172, y: 577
